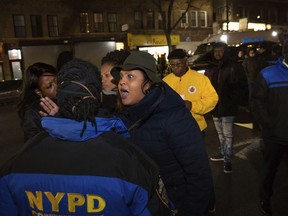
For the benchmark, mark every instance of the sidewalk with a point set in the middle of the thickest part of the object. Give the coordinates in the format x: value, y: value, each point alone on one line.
x: 237, y: 193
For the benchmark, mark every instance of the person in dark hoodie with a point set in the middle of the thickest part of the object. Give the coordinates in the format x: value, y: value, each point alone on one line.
x: 161, y: 125
x: 80, y: 165
x: 225, y: 76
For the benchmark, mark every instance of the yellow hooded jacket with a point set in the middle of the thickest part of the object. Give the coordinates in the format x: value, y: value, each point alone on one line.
x: 197, y: 89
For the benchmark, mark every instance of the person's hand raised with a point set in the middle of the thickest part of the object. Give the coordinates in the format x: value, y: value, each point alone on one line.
x: 50, y: 107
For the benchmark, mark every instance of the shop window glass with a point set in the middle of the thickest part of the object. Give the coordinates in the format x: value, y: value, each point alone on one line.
x: 16, y: 69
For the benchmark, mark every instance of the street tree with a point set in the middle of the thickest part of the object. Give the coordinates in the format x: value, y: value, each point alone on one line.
x: 166, y: 9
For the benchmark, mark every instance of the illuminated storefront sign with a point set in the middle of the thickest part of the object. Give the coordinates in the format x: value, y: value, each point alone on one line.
x: 150, y: 40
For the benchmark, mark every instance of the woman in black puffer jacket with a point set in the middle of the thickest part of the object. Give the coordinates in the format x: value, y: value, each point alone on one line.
x: 161, y: 125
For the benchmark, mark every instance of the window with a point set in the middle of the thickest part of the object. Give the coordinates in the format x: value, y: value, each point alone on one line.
x: 36, y: 25
x: 84, y: 23
x: 198, y: 18
x: 202, y: 19
x: 112, y: 22
x: 98, y: 22
x: 160, y: 21
x: 138, y: 19
x: 194, y: 20
x: 264, y: 15
x: 254, y: 14
x: 19, y: 25
x: 52, y: 22
x: 242, y: 12
x: 273, y: 16
x: 184, y: 20
x: 150, y: 20
x: 1, y: 72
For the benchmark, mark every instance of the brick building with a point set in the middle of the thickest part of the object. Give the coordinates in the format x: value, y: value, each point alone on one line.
x: 34, y: 30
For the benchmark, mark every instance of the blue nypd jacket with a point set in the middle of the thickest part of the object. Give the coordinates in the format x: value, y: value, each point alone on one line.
x: 61, y: 173
x: 269, y: 101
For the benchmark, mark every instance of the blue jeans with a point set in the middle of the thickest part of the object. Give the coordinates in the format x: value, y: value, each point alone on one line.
x: 224, y: 128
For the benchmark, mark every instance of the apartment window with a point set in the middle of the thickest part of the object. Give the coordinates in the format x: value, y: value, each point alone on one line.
x: 184, y: 20
x: 273, y: 16
x: 19, y: 25
x: 98, y: 22
x: 194, y: 20
x: 242, y: 12
x: 1, y: 72
x: 138, y: 19
x: 160, y: 21
x: 202, y: 19
x: 264, y: 15
x: 112, y: 22
x: 84, y: 23
x: 36, y: 25
x: 52, y: 22
x: 254, y: 14
x: 198, y: 18
x: 150, y: 20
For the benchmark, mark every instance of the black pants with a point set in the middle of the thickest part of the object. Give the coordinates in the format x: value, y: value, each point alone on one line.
x: 273, y: 154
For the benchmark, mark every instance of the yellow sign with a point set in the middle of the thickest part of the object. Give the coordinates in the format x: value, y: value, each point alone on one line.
x: 151, y: 40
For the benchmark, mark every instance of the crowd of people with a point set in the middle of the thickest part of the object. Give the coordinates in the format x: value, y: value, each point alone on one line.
x: 120, y: 140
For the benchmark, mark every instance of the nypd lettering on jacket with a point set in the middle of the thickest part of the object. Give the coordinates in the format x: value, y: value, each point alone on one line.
x: 93, y: 203
x: 69, y: 195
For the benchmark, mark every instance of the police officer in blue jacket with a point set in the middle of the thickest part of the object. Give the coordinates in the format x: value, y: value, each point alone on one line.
x: 269, y: 105
x: 80, y: 165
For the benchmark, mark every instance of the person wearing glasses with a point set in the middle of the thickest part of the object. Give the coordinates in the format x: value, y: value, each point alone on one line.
x: 195, y: 89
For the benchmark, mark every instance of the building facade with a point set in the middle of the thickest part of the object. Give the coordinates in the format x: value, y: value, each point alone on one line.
x: 273, y: 14
x: 33, y: 30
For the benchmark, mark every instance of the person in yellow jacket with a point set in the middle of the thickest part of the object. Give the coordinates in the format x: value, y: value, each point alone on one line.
x: 195, y: 89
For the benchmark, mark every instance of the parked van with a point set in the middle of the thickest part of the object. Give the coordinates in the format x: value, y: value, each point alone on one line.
x: 235, y: 40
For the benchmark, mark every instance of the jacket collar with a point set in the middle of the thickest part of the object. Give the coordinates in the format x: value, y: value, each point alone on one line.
x: 68, y: 129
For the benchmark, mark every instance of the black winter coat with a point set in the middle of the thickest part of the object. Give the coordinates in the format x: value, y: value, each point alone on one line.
x: 227, y: 79
x: 171, y: 137
x: 31, y: 121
